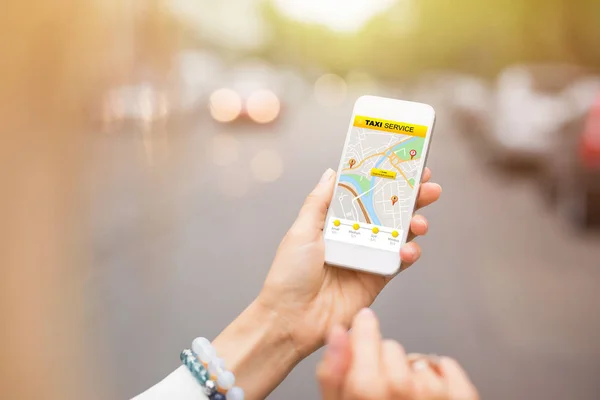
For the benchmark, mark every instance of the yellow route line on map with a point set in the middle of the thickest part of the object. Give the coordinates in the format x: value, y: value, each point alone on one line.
x: 373, y: 155
x: 393, y: 165
x: 399, y: 170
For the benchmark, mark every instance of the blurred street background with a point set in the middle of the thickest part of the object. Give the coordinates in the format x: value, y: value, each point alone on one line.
x: 212, y: 120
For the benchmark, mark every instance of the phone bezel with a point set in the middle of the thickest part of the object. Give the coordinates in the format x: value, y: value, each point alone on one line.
x: 363, y: 258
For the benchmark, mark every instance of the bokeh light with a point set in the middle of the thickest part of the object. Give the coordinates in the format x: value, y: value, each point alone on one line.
x: 225, y: 105
x: 263, y: 106
x: 145, y: 105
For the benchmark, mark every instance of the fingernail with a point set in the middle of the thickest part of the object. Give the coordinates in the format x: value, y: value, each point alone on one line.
x: 420, y: 365
x: 434, y: 358
x: 327, y: 175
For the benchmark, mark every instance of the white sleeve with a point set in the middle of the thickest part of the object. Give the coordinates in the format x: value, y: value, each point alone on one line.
x: 179, y: 385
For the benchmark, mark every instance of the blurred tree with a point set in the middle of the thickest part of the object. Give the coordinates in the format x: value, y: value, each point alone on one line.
x: 464, y: 35
x: 157, y: 36
x: 306, y: 45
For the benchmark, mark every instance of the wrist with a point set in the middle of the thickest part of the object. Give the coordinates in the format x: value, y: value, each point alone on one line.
x: 258, y: 348
x: 305, y: 326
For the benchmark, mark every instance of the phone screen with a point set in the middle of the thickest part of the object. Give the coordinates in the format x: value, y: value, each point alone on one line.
x: 377, y: 180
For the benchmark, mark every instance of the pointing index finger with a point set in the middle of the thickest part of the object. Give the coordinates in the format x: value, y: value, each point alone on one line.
x: 366, y: 346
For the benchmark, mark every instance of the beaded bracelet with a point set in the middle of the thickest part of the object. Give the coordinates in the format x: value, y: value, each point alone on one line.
x: 210, y: 372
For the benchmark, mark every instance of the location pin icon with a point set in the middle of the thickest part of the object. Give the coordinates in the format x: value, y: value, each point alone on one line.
x: 394, y: 199
x: 413, y: 153
x: 352, y: 162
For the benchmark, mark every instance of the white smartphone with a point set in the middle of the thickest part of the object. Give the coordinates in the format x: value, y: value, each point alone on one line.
x: 377, y: 184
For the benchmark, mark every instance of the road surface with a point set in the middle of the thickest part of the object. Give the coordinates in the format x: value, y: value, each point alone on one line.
x: 185, y: 226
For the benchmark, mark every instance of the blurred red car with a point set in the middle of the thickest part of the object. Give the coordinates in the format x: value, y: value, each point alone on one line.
x: 573, y: 175
x: 589, y: 146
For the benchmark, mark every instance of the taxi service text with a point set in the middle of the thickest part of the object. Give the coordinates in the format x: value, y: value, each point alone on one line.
x: 390, y: 126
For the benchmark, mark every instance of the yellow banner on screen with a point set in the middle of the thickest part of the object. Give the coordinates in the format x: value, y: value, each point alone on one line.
x: 382, y: 173
x: 402, y: 128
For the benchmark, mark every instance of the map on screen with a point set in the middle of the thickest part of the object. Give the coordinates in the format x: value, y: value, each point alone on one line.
x: 373, y: 201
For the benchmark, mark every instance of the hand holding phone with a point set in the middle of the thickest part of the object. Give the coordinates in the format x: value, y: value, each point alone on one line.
x: 307, y: 297
x: 377, y: 185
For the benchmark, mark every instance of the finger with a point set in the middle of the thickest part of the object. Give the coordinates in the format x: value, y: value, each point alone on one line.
x: 459, y: 384
x: 428, y: 193
x: 331, y: 372
x: 409, y: 254
x: 313, y: 212
x: 418, y: 227
x: 426, y: 175
x: 365, y: 339
x: 397, y: 369
x: 427, y: 382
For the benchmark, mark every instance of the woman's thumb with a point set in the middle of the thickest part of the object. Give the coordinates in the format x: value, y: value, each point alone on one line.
x: 313, y: 212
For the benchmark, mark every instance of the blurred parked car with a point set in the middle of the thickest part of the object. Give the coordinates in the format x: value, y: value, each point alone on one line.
x: 471, y: 104
x: 572, y: 175
x: 134, y: 105
x: 528, y: 106
x: 466, y: 98
x: 251, y: 92
x: 154, y: 95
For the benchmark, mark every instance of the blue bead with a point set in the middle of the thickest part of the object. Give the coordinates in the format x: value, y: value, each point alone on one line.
x: 218, y: 396
x: 200, y: 372
x: 197, y: 369
x: 185, y: 354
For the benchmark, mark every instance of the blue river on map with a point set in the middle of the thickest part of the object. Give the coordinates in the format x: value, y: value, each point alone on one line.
x: 367, y: 199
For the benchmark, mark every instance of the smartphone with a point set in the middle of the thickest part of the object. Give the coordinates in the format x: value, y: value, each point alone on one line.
x: 377, y: 184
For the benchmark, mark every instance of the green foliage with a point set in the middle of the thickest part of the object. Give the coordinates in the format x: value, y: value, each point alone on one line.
x: 473, y: 36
